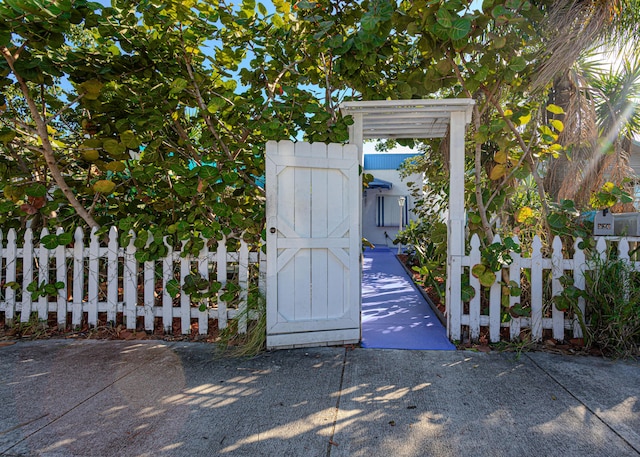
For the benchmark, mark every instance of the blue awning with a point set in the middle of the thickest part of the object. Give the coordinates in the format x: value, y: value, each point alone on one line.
x: 380, y: 184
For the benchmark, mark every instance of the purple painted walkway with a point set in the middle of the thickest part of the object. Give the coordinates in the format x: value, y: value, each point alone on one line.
x: 394, y: 313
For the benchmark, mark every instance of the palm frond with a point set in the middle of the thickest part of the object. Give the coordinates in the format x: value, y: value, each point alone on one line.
x: 574, y: 26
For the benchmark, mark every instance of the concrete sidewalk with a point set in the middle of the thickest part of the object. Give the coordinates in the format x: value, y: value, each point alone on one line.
x: 111, y: 398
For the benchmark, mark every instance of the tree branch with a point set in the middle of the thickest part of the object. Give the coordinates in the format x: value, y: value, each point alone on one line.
x: 211, y: 127
x: 482, y: 208
x: 526, y: 150
x: 47, y: 148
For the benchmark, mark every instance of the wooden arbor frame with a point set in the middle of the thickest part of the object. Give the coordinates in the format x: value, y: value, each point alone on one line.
x: 421, y: 119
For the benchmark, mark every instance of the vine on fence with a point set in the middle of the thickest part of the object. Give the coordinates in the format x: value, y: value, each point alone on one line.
x: 105, y: 276
x: 44, y: 289
x: 495, y: 257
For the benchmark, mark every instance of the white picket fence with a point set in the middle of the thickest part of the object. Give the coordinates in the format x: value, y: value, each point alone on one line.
x: 99, y: 278
x: 108, y: 279
x: 485, y: 309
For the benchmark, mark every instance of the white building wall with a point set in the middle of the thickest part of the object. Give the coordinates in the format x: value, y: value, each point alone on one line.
x: 370, y: 231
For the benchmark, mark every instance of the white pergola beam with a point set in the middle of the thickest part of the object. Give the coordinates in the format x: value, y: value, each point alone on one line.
x: 407, y: 132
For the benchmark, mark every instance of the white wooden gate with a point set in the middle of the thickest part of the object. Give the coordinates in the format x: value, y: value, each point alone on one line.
x: 313, y: 244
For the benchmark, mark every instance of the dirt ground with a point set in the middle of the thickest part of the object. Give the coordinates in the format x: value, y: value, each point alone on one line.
x: 104, y: 330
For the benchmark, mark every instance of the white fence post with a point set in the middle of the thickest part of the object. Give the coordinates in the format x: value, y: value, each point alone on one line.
x: 11, y: 256
x: 3, y: 303
x: 185, y: 301
x: 262, y: 273
x: 601, y: 249
x: 623, y: 254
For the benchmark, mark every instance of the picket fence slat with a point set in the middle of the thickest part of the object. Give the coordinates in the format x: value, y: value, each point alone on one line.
x: 556, y: 288
x: 579, y: 282
x: 130, y: 284
x: 78, y: 278
x: 108, y: 279
x: 542, y: 314
x: 601, y: 248
x: 112, y: 275
x: 167, y: 300
x: 27, y: 275
x: 623, y: 254
x: 474, y: 305
x: 536, y: 289
x: 43, y: 272
x: 149, y: 291
x: 222, y: 279
x: 203, y: 269
x: 61, y: 276
x: 93, y: 279
x: 185, y: 302
x: 514, y: 277
x: 243, y: 283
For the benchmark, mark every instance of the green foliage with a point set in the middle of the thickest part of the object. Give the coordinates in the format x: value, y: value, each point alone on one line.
x: 608, y: 196
x: 494, y: 258
x: 52, y: 241
x: 366, y: 179
x: 44, y: 289
x: 565, y: 220
x: 616, y: 93
x: 426, y: 239
x: 426, y: 242
x: 204, y: 291
x: 253, y: 342
x: 487, y: 54
x: 34, y: 328
x: 611, y: 321
x: 152, y: 116
x: 162, y: 122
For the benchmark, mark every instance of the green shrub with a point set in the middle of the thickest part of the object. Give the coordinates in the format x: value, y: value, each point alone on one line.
x: 253, y: 342
x: 612, y: 296
x: 611, y: 320
x: 426, y: 241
